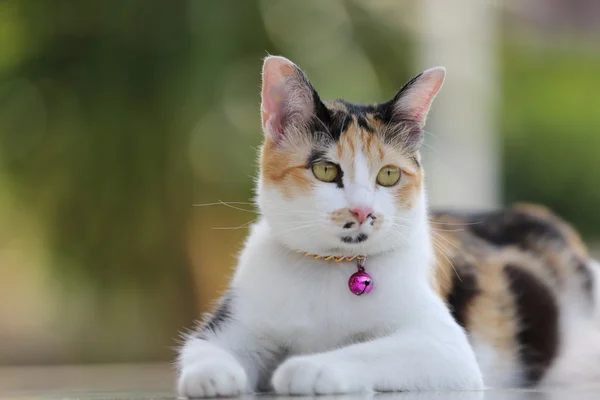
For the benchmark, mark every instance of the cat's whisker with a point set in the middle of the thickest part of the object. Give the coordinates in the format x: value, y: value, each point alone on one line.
x: 431, y: 147
x: 219, y: 203
x: 444, y: 252
x: 439, y: 266
x: 430, y: 133
x: 446, y: 230
x: 325, y: 126
x: 431, y: 221
x: 228, y: 204
x: 446, y: 240
x: 306, y: 225
x: 399, y: 219
x: 456, y: 223
x: 398, y: 234
x: 237, y: 227
x: 440, y: 247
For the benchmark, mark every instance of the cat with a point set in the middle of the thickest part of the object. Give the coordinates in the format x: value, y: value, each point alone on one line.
x: 429, y: 306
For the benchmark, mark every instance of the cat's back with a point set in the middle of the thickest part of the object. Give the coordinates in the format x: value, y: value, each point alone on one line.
x: 512, y: 278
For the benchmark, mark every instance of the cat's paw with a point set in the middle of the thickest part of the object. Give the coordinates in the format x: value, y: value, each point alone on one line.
x: 213, y: 378
x: 314, y: 375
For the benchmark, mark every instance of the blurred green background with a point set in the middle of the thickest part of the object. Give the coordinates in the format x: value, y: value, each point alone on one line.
x: 116, y: 117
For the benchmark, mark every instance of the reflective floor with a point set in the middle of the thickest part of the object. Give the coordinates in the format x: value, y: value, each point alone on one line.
x: 155, y: 382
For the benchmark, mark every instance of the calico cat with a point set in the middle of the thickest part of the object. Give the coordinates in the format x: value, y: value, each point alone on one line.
x: 348, y: 284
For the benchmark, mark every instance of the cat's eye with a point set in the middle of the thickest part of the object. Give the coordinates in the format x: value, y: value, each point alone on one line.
x: 325, y: 171
x: 388, y: 175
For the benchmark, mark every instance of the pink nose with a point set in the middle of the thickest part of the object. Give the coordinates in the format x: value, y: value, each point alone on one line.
x: 361, y: 214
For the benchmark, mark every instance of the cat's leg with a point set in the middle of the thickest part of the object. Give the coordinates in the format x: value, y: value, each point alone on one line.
x: 209, y: 369
x: 223, y: 358
x: 430, y: 356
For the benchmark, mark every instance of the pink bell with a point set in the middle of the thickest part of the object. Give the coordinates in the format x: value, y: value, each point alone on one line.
x: 360, y: 282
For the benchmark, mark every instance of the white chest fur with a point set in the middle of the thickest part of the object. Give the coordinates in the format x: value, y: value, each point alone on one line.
x: 305, y: 305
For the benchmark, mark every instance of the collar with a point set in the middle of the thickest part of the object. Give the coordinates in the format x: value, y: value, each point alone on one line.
x: 332, y: 258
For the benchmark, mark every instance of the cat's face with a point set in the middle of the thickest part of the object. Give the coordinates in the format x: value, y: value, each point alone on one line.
x: 338, y: 178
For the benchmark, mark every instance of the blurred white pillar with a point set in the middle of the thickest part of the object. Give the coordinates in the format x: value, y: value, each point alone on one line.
x: 462, y: 153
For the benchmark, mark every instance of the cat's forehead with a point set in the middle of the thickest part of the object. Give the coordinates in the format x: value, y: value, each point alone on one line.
x: 343, y: 115
x: 362, y: 128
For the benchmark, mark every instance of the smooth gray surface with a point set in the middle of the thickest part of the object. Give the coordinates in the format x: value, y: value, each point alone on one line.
x: 156, y: 382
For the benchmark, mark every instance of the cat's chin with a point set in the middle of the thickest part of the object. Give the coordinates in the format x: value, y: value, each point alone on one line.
x: 343, y: 246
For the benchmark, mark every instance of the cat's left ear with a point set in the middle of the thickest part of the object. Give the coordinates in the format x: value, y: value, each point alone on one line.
x: 414, y: 100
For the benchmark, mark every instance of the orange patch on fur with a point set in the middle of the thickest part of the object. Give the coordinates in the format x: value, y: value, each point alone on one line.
x: 341, y: 216
x: 350, y: 140
x: 336, y: 106
x: 381, y: 152
x: 285, y: 169
x: 367, y: 140
x: 373, y: 122
x: 339, y: 149
x: 408, y: 189
x: 492, y: 315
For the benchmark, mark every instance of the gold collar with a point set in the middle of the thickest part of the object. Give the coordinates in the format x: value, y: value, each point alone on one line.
x: 332, y: 258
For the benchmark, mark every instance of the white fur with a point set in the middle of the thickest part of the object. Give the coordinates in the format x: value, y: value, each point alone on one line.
x: 398, y: 337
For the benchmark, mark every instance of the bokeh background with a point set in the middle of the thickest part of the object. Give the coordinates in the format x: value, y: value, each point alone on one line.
x: 116, y: 117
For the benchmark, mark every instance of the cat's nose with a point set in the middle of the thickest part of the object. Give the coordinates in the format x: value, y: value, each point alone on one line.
x: 361, y: 214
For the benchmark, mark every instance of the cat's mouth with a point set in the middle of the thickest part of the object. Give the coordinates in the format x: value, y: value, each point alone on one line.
x: 361, y: 237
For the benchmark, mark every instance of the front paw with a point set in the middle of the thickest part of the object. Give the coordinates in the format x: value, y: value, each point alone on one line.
x: 313, y: 375
x: 213, y: 378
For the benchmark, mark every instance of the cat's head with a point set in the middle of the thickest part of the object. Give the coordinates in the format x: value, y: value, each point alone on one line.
x: 340, y: 178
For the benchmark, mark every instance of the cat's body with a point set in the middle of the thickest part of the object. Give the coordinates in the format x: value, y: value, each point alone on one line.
x: 345, y: 180
x: 521, y: 282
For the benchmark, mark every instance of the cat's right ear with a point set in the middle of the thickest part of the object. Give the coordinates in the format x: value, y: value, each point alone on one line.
x: 288, y: 99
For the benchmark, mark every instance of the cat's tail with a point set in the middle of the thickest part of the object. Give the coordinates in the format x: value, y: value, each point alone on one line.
x: 578, y: 362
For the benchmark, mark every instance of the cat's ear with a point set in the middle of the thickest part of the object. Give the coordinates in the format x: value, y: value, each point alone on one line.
x: 408, y: 110
x: 414, y: 100
x: 288, y: 99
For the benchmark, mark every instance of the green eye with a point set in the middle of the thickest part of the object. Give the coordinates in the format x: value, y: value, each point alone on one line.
x: 325, y: 171
x: 388, y: 175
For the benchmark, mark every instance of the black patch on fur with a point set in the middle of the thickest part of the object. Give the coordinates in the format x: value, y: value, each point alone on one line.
x: 358, y: 239
x: 331, y: 123
x: 362, y: 122
x: 335, y: 122
x: 464, y: 289
x: 220, y: 316
x: 339, y: 182
x: 315, y: 157
x: 538, y: 335
x: 339, y: 123
x: 514, y: 227
x: 359, y: 109
x: 348, y: 225
x: 587, y: 278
